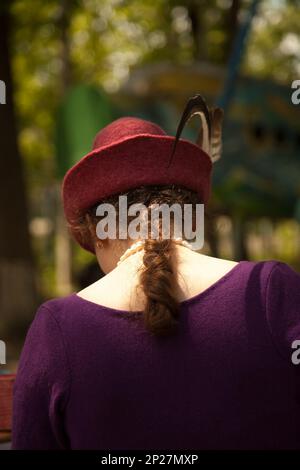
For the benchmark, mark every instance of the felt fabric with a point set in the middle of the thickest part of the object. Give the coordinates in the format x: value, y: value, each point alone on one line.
x: 91, y: 379
x: 126, y: 154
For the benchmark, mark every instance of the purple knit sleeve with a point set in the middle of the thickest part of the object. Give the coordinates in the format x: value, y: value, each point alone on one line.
x: 41, y: 387
x: 283, y: 309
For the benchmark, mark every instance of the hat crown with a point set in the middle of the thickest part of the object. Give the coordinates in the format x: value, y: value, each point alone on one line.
x: 125, y: 127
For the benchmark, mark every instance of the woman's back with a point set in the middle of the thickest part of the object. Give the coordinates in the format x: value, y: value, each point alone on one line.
x: 96, y: 380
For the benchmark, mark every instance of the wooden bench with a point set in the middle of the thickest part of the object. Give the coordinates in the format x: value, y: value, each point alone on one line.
x: 6, y: 397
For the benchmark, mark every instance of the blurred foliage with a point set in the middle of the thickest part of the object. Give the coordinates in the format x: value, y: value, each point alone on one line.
x: 274, y: 47
x: 99, y: 42
x: 108, y: 37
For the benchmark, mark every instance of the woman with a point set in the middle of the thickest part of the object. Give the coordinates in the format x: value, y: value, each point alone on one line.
x: 171, y: 349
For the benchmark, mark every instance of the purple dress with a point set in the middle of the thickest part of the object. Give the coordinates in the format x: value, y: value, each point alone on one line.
x: 89, y: 378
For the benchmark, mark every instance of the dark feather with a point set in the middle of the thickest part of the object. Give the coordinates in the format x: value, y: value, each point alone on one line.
x: 210, y: 134
x: 195, y: 105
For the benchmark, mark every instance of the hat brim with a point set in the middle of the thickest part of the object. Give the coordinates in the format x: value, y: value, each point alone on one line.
x: 128, y: 164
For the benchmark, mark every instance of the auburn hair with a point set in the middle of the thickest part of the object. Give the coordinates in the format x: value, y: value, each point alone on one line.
x: 158, y: 277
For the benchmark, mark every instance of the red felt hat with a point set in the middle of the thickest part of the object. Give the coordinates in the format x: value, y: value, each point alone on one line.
x: 128, y: 153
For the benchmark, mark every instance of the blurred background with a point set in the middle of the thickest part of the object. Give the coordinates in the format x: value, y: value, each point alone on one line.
x: 70, y: 67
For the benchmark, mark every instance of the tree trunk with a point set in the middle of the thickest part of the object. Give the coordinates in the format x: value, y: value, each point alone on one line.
x: 63, y: 247
x: 17, y: 286
x: 194, y: 12
x: 231, y: 28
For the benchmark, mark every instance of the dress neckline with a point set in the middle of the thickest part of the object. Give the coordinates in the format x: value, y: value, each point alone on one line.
x: 183, y: 304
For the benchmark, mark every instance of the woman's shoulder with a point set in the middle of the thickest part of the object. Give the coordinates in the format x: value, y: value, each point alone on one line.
x: 269, y: 270
x: 67, y: 312
x: 253, y: 278
x: 269, y: 276
x: 56, y: 305
x: 282, y: 306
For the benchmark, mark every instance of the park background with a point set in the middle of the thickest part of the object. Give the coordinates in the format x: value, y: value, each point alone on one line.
x: 70, y: 67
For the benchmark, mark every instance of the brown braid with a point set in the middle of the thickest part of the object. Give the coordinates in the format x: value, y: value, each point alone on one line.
x: 158, y: 283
